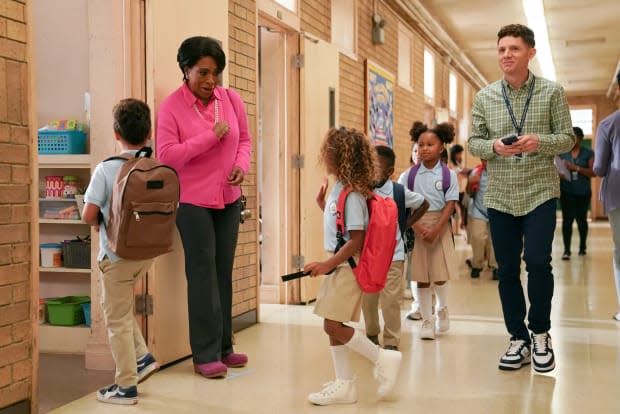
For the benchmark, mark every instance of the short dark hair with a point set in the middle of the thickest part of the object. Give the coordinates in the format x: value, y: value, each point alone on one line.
x: 578, y: 132
x: 195, y: 48
x: 132, y: 120
x: 387, y: 154
x: 456, y: 149
x: 517, y: 30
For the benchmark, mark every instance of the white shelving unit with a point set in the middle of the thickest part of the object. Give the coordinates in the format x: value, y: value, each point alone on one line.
x: 63, y: 281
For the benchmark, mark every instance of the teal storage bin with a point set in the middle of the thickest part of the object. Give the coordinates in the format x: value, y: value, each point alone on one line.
x: 61, y: 142
x: 86, y: 310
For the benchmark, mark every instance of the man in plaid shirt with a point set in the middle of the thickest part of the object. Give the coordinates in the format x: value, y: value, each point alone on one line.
x: 523, y: 189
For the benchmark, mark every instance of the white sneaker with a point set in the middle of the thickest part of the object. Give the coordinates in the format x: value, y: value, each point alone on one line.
x: 442, y: 324
x: 542, y: 352
x: 415, y: 314
x: 517, y: 355
x: 428, y: 329
x: 337, y: 391
x: 617, y: 316
x: 386, y: 371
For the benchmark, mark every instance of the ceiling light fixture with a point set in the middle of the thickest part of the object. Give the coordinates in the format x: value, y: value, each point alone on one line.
x: 535, y: 13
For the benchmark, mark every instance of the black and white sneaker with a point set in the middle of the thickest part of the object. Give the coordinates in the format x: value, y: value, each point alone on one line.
x: 147, y: 366
x: 517, y: 355
x: 115, y: 394
x: 542, y: 355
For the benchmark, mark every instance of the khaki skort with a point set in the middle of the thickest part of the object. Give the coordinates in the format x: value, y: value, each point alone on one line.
x: 340, y: 296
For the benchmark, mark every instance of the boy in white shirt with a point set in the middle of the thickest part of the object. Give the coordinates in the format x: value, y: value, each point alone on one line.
x: 392, y: 292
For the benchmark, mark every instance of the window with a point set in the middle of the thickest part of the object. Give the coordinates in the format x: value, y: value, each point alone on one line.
x: 452, y: 94
x: 404, y: 57
x: 289, y: 4
x: 429, y: 76
x: 582, y: 118
x: 466, y: 100
x: 343, y: 32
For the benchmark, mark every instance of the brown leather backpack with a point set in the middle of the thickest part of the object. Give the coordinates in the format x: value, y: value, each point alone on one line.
x: 143, y: 207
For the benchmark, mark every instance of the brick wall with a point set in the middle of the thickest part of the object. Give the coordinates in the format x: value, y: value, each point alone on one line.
x: 315, y: 16
x: 408, y: 105
x: 15, y: 209
x: 243, y: 69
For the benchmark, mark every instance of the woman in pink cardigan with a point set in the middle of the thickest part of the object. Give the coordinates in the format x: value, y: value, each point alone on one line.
x: 202, y: 132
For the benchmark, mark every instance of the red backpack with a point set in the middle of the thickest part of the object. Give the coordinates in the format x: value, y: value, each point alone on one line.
x: 379, y: 241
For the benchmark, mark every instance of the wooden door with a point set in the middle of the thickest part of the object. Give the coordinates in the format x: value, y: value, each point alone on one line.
x: 318, y: 100
x: 167, y: 328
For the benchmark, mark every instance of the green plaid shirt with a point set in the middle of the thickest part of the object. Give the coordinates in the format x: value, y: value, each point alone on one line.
x: 519, y: 185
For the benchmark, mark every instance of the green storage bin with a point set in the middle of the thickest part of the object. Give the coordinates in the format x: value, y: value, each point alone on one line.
x: 66, y: 311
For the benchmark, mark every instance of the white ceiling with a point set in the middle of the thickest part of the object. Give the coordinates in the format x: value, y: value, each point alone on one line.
x: 584, y: 37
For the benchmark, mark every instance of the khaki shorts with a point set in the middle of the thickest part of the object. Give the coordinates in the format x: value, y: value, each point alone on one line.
x: 340, y: 296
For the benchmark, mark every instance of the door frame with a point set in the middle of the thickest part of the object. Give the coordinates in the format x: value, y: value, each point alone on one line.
x: 276, y: 291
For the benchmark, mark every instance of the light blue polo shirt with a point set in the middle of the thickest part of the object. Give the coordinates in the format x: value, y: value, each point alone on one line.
x: 428, y: 183
x: 355, y: 212
x: 99, y: 193
x: 477, y: 208
x: 412, y: 201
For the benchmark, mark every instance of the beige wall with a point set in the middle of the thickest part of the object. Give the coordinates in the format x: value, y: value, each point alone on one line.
x: 409, y: 105
x: 16, y: 309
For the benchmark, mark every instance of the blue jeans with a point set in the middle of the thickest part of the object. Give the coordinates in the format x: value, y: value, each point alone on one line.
x: 532, y: 234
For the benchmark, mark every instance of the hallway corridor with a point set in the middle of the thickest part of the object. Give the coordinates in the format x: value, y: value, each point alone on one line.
x: 456, y: 373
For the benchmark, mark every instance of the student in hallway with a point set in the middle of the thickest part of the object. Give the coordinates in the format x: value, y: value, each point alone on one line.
x: 575, y: 193
x: 607, y: 165
x: 391, y: 294
x: 134, y: 363
x: 414, y: 314
x: 478, y: 231
x: 433, y: 252
x: 348, y: 155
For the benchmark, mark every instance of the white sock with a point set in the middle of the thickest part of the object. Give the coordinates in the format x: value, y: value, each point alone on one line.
x: 363, y: 346
x: 426, y: 303
x: 441, y: 295
x: 342, y: 365
x: 415, y: 305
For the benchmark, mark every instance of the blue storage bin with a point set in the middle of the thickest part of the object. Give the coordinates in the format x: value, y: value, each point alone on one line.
x: 61, y: 142
x: 86, y: 310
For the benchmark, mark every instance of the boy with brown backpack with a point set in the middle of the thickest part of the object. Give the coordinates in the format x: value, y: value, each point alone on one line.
x: 131, y: 201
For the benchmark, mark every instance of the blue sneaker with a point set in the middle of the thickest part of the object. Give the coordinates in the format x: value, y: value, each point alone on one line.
x: 147, y: 366
x: 115, y: 394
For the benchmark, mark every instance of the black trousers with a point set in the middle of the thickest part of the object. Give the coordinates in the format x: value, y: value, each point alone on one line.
x: 531, y: 234
x: 209, y: 239
x: 574, y: 207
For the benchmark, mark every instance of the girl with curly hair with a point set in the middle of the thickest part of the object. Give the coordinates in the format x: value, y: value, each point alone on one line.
x: 349, y: 156
x: 433, y: 251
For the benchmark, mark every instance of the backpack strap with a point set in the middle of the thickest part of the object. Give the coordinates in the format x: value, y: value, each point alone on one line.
x: 142, y: 152
x: 399, y: 198
x: 445, y: 177
x: 412, y: 173
x: 340, y: 223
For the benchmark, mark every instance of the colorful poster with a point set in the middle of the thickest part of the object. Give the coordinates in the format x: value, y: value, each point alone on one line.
x: 380, y: 104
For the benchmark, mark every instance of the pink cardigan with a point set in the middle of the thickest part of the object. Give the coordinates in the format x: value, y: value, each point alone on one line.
x: 185, y: 141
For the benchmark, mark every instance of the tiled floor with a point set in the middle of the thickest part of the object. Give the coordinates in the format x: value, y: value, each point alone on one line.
x: 457, y: 373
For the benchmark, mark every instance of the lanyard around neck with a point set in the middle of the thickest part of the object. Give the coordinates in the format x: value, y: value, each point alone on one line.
x: 519, y: 127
